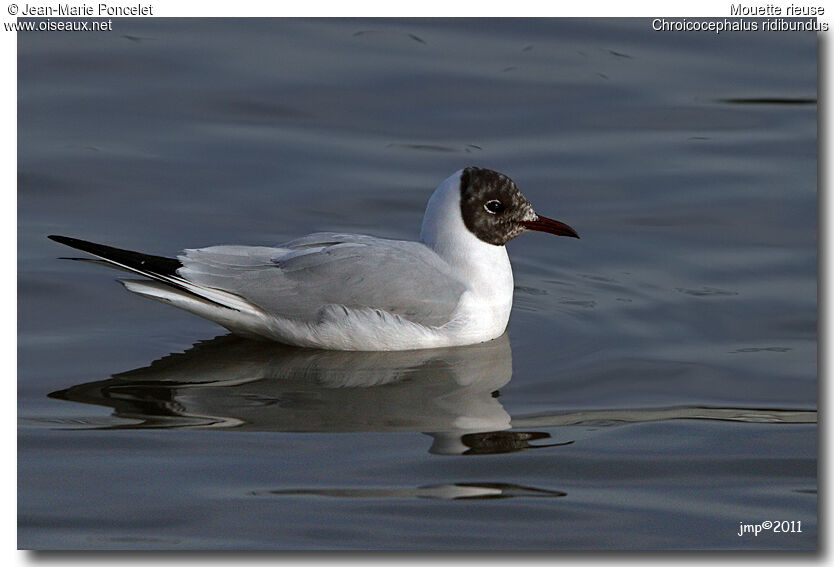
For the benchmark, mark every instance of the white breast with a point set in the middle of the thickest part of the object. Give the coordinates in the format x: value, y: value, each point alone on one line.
x: 484, y: 268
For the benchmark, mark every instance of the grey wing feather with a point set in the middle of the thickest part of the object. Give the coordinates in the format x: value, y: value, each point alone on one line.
x: 298, y: 278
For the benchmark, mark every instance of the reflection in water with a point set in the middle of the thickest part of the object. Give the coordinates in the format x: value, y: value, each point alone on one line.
x: 455, y: 491
x: 603, y: 418
x: 450, y: 394
x: 253, y: 386
x: 487, y: 442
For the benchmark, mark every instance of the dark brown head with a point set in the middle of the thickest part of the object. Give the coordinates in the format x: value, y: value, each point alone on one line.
x: 494, y: 210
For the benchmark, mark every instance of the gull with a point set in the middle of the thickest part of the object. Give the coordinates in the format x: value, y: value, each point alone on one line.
x: 355, y: 292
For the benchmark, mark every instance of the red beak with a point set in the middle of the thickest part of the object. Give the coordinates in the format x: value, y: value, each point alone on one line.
x: 545, y: 224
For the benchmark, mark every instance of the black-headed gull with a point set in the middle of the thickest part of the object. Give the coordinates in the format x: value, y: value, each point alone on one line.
x: 353, y: 292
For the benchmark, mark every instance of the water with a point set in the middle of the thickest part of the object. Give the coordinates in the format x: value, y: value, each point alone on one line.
x: 657, y: 384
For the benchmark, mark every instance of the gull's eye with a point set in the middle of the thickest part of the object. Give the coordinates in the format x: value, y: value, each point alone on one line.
x: 494, y: 207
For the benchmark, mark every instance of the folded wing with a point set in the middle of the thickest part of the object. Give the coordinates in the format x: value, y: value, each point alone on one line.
x: 297, y: 279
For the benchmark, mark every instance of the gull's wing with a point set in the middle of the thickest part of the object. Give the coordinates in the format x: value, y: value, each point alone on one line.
x: 298, y: 278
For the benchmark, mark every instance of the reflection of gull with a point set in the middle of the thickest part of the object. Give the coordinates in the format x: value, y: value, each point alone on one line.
x: 233, y: 382
x: 449, y: 393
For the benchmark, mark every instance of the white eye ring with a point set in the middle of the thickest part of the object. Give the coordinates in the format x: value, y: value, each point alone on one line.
x: 493, y: 207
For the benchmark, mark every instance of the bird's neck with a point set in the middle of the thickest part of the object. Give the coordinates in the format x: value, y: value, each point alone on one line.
x: 483, y: 267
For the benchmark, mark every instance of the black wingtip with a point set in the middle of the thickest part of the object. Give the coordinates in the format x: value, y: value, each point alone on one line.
x: 72, y: 242
x: 68, y: 241
x: 143, y: 263
x: 79, y: 244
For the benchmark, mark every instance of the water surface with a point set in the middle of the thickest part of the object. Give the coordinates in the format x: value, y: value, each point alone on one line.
x: 657, y: 384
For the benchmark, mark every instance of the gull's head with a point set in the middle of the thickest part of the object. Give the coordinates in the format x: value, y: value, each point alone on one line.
x: 494, y: 209
x: 485, y: 204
